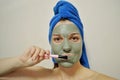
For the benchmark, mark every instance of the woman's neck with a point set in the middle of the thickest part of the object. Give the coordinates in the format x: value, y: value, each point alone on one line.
x: 72, y: 70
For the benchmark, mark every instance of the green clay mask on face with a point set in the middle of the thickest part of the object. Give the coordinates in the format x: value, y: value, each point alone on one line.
x: 66, y: 39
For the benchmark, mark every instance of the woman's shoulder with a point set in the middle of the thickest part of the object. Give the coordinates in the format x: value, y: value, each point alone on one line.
x: 93, y: 75
x: 105, y: 77
x: 100, y: 76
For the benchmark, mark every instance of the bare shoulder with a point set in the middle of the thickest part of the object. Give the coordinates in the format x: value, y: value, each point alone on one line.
x: 100, y: 76
x: 105, y: 77
x: 93, y: 75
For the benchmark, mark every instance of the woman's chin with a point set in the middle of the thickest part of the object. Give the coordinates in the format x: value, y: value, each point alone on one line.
x: 66, y: 64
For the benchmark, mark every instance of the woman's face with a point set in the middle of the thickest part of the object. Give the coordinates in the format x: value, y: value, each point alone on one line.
x: 66, y: 39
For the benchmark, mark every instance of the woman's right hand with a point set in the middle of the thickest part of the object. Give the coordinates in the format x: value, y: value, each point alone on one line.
x: 33, y: 56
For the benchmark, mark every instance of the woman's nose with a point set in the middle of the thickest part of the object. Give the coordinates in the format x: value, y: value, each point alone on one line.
x: 66, y: 46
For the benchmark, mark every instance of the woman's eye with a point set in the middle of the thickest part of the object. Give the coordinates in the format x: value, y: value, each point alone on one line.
x: 75, y: 39
x: 57, y: 40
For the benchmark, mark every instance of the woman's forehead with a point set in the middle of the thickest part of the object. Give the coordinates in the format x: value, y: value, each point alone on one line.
x: 63, y: 22
x: 65, y: 29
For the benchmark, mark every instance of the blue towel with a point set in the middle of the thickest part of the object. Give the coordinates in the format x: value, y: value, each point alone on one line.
x: 65, y: 10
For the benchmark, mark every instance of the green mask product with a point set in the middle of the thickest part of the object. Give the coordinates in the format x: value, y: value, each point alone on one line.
x: 66, y: 39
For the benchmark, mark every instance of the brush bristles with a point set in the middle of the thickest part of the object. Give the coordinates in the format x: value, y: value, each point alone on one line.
x: 63, y: 57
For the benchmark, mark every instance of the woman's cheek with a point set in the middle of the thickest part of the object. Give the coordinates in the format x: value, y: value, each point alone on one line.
x: 56, y: 48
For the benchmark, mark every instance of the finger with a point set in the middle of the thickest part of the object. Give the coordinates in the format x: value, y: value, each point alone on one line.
x: 47, y: 55
x: 47, y: 52
x: 37, y: 60
x: 29, y: 51
x: 41, y: 54
x: 36, y: 53
x: 27, y: 54
x: 32, y: 51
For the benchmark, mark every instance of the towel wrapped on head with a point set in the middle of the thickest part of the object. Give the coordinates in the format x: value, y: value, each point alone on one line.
x: 65, y: 10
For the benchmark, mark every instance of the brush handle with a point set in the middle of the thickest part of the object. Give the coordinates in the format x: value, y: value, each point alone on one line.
x: 58, y: 56
x: 54, y: 56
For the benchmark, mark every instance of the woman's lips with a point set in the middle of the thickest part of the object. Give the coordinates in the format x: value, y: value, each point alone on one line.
x: 67, y: 54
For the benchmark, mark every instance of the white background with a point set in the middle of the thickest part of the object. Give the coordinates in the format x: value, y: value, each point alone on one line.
x: 24, y: 23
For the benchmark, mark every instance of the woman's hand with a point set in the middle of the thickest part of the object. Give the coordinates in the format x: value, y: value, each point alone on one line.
x: 33, y: 56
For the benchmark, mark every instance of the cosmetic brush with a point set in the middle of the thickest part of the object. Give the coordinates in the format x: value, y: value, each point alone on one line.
x: 59, y: 56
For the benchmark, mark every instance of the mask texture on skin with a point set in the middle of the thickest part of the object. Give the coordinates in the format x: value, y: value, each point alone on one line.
x: 67, y: 46
x: 65, y: 10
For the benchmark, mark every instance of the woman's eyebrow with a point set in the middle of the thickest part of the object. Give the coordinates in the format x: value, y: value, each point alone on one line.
x: 56, y: 34
x: 74, y: 33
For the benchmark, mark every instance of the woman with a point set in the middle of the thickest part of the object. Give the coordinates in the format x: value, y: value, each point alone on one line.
x: 66, y: 38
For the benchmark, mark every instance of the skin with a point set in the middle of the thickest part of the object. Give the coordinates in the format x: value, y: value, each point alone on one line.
x: 22, y: 67
x: 66, y: 39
